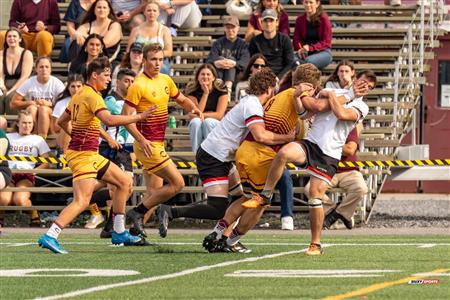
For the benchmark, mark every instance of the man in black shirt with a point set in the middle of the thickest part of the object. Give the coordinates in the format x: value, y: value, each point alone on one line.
x: 276, y: 47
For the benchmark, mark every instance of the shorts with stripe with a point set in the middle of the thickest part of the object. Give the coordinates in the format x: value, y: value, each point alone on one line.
x: 317, y: 163
x: 253, y: 161
x: 85, y: 164
x: 157, y: 161
x: 211, y: 170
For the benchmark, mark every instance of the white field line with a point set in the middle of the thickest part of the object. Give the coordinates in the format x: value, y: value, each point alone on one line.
x: 418, y: 245
x: 167, y: 276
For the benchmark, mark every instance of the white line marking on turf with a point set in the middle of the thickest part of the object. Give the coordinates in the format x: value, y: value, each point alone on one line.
x: 167, y: 276
x: 309, y: 273
x: 427, y: 246
x: 66, y: 273
x: 431, y: 274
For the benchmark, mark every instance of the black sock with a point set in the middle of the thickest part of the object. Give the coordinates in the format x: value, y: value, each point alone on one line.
x: 214, y: 209
x: 141, y: 209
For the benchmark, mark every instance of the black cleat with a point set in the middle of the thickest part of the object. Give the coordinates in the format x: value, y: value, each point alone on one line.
x: 134, y: 232
x: 210, y: 242
x: 108, y: 228
x: 348, y: 223
x: 143, y: 243
x: 330, y: 219
x: 236, y: 248
x: 136, y: 220
x: 105, y: 234
x: 164, y: 216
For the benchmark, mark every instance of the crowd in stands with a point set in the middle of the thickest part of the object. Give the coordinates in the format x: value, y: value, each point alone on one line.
x: 95, y: 28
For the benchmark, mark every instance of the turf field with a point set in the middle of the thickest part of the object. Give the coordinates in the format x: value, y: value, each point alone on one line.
x: 362, y: 267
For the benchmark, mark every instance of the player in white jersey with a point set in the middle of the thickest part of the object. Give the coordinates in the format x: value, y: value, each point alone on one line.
x: 215, y: 155
x: 321, y: 150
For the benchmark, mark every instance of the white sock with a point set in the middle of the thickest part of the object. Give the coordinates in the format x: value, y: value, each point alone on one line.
x: 54, y: 231
x: 119, y: 223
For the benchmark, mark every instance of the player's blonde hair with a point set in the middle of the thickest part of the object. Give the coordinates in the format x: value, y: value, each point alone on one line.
x: 306, y: 73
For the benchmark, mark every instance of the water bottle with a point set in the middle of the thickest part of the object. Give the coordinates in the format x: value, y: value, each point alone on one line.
x: 172, y: 122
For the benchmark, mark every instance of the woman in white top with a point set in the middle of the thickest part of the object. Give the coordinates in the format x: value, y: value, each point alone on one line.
x: 37, y: 94
x: 24, y: 143
x: 342, y: 77
x: 74, y: 84
x: 152, y: 31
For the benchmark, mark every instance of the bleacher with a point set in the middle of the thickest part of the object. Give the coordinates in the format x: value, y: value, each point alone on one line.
x: 382, y: 38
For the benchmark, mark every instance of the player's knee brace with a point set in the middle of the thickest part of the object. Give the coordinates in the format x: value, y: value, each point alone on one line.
x: 220, y: 204
x: 236, y: 190
x: 315, y: 203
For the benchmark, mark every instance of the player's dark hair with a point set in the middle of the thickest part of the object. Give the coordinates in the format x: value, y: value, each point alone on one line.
x: 98, y: 65
x: 125, y: 72
x: 261, y: 82
x: 369, y: 74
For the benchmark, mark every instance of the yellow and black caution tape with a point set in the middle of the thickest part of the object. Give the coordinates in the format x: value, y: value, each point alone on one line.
x: 181, y: 164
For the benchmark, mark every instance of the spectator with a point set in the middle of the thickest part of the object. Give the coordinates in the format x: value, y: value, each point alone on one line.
x: 256, y: 63
x: 3, y: 123
x: 73, y: 16
x: 276, y: 47
x: 152, y: 31
x: 349, y: 179
x: 74, y: 84
x: 180, y: 14
x: 210, y: 95
x: 129, y: 12
x: 5, y: 172
x: 92, y: 48
x: 132, y: 60
x: 342, y: 77
x: 36, y: 95
x: 254, y: 26
x: 16, y: 64
x: 37, y: 21
x: 312, y: 35
x: 24, y: 143
x: 100, y: 19
x: 229, y: 54
x: 117, y: 143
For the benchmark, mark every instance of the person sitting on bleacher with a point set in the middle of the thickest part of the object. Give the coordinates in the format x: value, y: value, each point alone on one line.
x: 210, y: 95
x: 133, y: 60
x: 74, y: 84
x: 92, y: 48
x: 5, y: 171
x: 254, y: 26
x: 348, y: 178
x: 129, y: 12
x: 100, y: 19
x: 180, y: 14
x: 256, y: 63
x: 37, y: 94
x: 229, y: 54
x: 24, y: 143
x: 16, y: 64
x: 275, y: 46
x: 342, y: 77
x: 38, y: 21
x: 313, y: 35
x: 73, y: 16
x: 153, y: 31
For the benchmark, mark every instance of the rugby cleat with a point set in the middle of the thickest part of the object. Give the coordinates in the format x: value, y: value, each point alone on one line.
x: 257, y: 200
x: 210, y: 242
x: 236, y: 248
x: 314, y: 250
x: 125, y: 238
x: 137, y: 221
x: 94, y: 221
x: 164, y: 216
x: 50, y: 243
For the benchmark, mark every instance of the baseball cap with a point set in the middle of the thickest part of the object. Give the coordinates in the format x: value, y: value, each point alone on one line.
x: 230, y: 20
x: 269, y: 14
x: 137, y: 47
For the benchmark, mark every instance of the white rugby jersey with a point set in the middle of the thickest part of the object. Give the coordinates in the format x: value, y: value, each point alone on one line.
x: 226, y: 137
x: 25, y: 145
x: 329, y: 133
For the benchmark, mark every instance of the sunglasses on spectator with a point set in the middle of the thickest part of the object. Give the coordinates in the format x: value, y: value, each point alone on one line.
x: 258, y: 66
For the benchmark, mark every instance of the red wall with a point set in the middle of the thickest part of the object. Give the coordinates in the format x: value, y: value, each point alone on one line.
x: 436, y: 127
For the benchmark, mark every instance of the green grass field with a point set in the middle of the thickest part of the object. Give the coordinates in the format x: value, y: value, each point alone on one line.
x: 362, y: 267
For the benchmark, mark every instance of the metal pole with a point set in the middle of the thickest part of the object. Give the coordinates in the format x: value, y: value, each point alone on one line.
x: 396, y: 80
x: 422, y: 34
x: 432, y: 23
x: 410, y: 56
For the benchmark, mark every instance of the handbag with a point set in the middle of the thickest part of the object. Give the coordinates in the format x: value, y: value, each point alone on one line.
x: 238, y: 8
